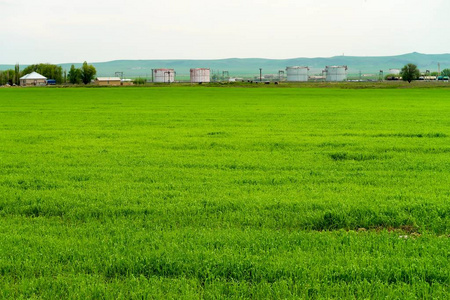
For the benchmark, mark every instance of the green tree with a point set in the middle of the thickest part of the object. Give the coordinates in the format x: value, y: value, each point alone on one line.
x: 139, y: 80
x: 445, y: 72
x: 74, y: 75
x: 7, y: 77
x: 87, y: 73
x: 410, y: 72
x: 17, y: 74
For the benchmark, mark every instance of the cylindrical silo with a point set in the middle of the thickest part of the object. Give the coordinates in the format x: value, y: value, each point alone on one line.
x: 200, y: 75
x: 297, y: 73
x: 336, y: 73
x: 394, y: 71
x: 164, y: 75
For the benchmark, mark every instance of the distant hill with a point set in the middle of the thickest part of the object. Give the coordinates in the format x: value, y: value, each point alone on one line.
x: 250, y: 66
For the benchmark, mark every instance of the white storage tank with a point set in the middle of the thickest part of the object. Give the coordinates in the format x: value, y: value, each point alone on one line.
x: 395, y: 71
x: 163, y: 75
x: 297, y: 73
x: 336, y: 73
x: 200, y: 75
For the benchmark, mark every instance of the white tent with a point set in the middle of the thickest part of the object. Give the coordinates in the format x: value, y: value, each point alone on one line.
x: 33, y: 76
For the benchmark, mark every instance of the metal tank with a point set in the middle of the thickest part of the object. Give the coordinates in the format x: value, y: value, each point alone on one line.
x: 394, y: 71
x: 163, y: 75
x: 336, y: 73
x: 200, y: 75
x: 297, y: 73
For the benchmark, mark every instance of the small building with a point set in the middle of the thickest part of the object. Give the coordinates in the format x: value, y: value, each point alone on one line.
x: 33, y: 79
x: 428, y: 78
x: 316, y: 78
x: 108, y: 81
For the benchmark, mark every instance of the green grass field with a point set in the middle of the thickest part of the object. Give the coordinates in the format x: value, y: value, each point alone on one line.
x: 196, y: 192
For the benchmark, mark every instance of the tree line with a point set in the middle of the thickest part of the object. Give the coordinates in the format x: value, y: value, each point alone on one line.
x: 411, y: 72
x: 10, y: 76
x: 76, y: 76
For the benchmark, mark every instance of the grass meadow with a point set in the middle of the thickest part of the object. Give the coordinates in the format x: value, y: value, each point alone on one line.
x: 210, y: 193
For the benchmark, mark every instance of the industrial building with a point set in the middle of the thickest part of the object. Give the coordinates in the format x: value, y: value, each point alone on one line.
x: 163, y: 75
x: 108, y: 81
x: 33, y: 79
x: 336, y: 73
x: 296, y: 73
x: 200, y: 75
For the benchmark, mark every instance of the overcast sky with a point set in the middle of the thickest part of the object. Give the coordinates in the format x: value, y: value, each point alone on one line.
x: 58, y: 31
